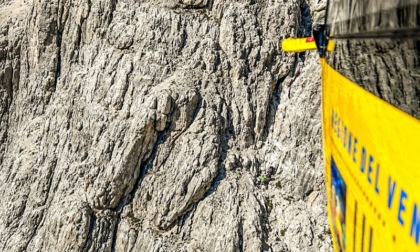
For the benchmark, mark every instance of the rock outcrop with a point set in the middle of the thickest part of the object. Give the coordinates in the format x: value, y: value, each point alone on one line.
x: 142, y: 126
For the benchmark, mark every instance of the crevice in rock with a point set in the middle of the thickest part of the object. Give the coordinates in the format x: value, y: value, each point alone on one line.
x: 224, y: 148
x: 3, y: 137
x: 184, y: 38
x: 117, y: 219
x: 210, y: 5
x: 198, y: 106
x: 312, y: 237
x: 182, y: 218
x: 58, y: 64
x: 273, y: 105
x: 221, y: 175
x: 195, y: 7
x: 294, y: 71
x: 113, y: 8
x: 305, y: 28
x: 9, y: 85
x: 78, y: 43
x: 265, y: 225
x: 92, y: 226
x: 144, y: 167
x: 15, y: 79
x: 59, y: 43
x: 26, y: 57
x: 241, y: 236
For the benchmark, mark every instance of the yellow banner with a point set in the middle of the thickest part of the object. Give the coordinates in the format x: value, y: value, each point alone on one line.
x: 372, y: 165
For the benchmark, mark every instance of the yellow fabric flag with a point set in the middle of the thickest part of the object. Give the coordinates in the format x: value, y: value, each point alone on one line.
x: 372, y: 166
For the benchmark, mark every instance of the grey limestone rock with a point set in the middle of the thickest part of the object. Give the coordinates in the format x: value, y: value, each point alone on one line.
x: 142, y: 126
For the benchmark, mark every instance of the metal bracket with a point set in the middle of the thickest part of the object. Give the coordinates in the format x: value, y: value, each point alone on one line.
x: 321, y: 32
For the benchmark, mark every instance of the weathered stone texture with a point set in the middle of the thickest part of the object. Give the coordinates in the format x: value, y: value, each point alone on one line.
x: 141, y: 126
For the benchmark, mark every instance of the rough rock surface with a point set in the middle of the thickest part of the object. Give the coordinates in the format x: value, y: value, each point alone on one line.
x: 388, y: 68
x: 142, y: 125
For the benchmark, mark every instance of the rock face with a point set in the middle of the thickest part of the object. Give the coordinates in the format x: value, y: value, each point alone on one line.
x: 142, y: 126
x: 389, y: 68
